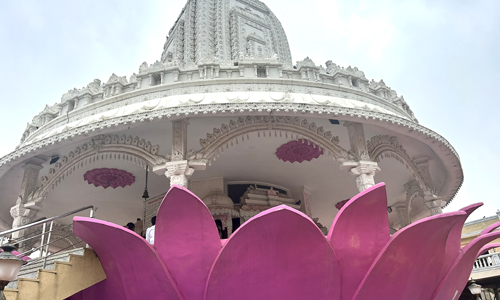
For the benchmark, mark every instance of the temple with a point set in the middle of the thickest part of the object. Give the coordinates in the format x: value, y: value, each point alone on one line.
x: 226, y: 113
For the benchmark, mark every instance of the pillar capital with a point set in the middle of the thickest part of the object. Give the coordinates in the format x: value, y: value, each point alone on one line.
x: 364, y: 171
x: 178, y: 172
x: 22, y: 216
x: 434, y: 203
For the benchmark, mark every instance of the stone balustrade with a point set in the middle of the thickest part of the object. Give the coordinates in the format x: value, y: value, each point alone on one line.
x: 487, y: 262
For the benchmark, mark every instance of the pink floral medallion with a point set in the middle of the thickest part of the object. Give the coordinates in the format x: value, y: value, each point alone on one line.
x: 299, y: 151
x: 109, y: 178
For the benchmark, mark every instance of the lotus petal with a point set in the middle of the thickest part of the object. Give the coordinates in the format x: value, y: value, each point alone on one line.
x: 278, y: 254
x: 133, y: 269
x: 490, y: 228
x: 187, y: 240
x: 454, y: 240
x: 456, y: 279
x: 409, y: 266
x: 358, y: 234
x: 488, y: 248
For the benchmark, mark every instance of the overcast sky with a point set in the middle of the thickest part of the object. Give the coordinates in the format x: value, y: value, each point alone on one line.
x: 441, y: 55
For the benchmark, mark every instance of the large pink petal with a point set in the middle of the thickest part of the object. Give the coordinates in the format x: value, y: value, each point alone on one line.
x: 358, y: 234
x: 454, y: 240
x: 456, y: 279
x: 279, y: 254
x: 409, y: 266
x: 133, y: 269
x: 187, y: 240
x: 490, y: 228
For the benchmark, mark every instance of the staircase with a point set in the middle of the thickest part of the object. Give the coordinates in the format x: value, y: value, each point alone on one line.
x: 65, y: 274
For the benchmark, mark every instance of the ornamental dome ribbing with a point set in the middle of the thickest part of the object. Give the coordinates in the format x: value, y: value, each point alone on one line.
x: 217, y: 199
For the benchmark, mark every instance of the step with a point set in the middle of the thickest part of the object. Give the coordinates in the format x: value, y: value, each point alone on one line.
x: 30, y: 270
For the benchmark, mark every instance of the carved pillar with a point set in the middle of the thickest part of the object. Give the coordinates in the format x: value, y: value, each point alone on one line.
x: 22, y: 215
x: 434, y: 204
x: 363, y: 168
x: 229, y: 226
x: 357, y: 141
x: 179, y: 139
x: 403, y: 214
x: 178, y: 170
x: 30, y: 178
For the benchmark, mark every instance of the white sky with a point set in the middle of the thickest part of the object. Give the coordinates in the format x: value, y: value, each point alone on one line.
x: 441, y: 55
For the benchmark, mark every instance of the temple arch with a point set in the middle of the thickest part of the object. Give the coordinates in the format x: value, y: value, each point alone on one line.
x: 267, y: 126
x: 102, y: 147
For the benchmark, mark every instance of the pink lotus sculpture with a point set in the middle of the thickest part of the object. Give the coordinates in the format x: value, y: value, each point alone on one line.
x: 281, y: 254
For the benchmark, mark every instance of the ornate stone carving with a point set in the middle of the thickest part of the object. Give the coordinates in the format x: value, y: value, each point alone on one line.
x: 306, y: 62
x: 179, y: 173
x: 434, y: 203
x: 391, y: 120
x: 357, y: 141
x: 179, y: 139
x: 109, y: 178
x: 384, y: 146
x: 268, y: 125
x: 22, y: 216
x: 364, y: 171
x: 30, y: 178
x: 102, y: 147
x: 298, y: 151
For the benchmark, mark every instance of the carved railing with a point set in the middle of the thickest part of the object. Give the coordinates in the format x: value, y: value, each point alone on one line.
x: 487, y: 262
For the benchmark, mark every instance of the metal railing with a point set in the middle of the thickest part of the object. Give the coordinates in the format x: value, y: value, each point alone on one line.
x: 45, y: 236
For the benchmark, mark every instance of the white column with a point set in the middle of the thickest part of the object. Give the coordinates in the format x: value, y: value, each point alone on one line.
x: 403, y: 214
x: 362, y: 168
x: 229, y: 225
x: 178, y: 170
x: 22, y: 215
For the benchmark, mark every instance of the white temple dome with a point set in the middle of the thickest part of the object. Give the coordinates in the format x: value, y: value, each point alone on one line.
x: 221, y: 31
x: 217, y: 199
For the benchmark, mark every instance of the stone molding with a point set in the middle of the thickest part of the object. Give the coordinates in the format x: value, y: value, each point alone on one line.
x: 192, y: 93
x: 101, y: 147
x: 228, y: 135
